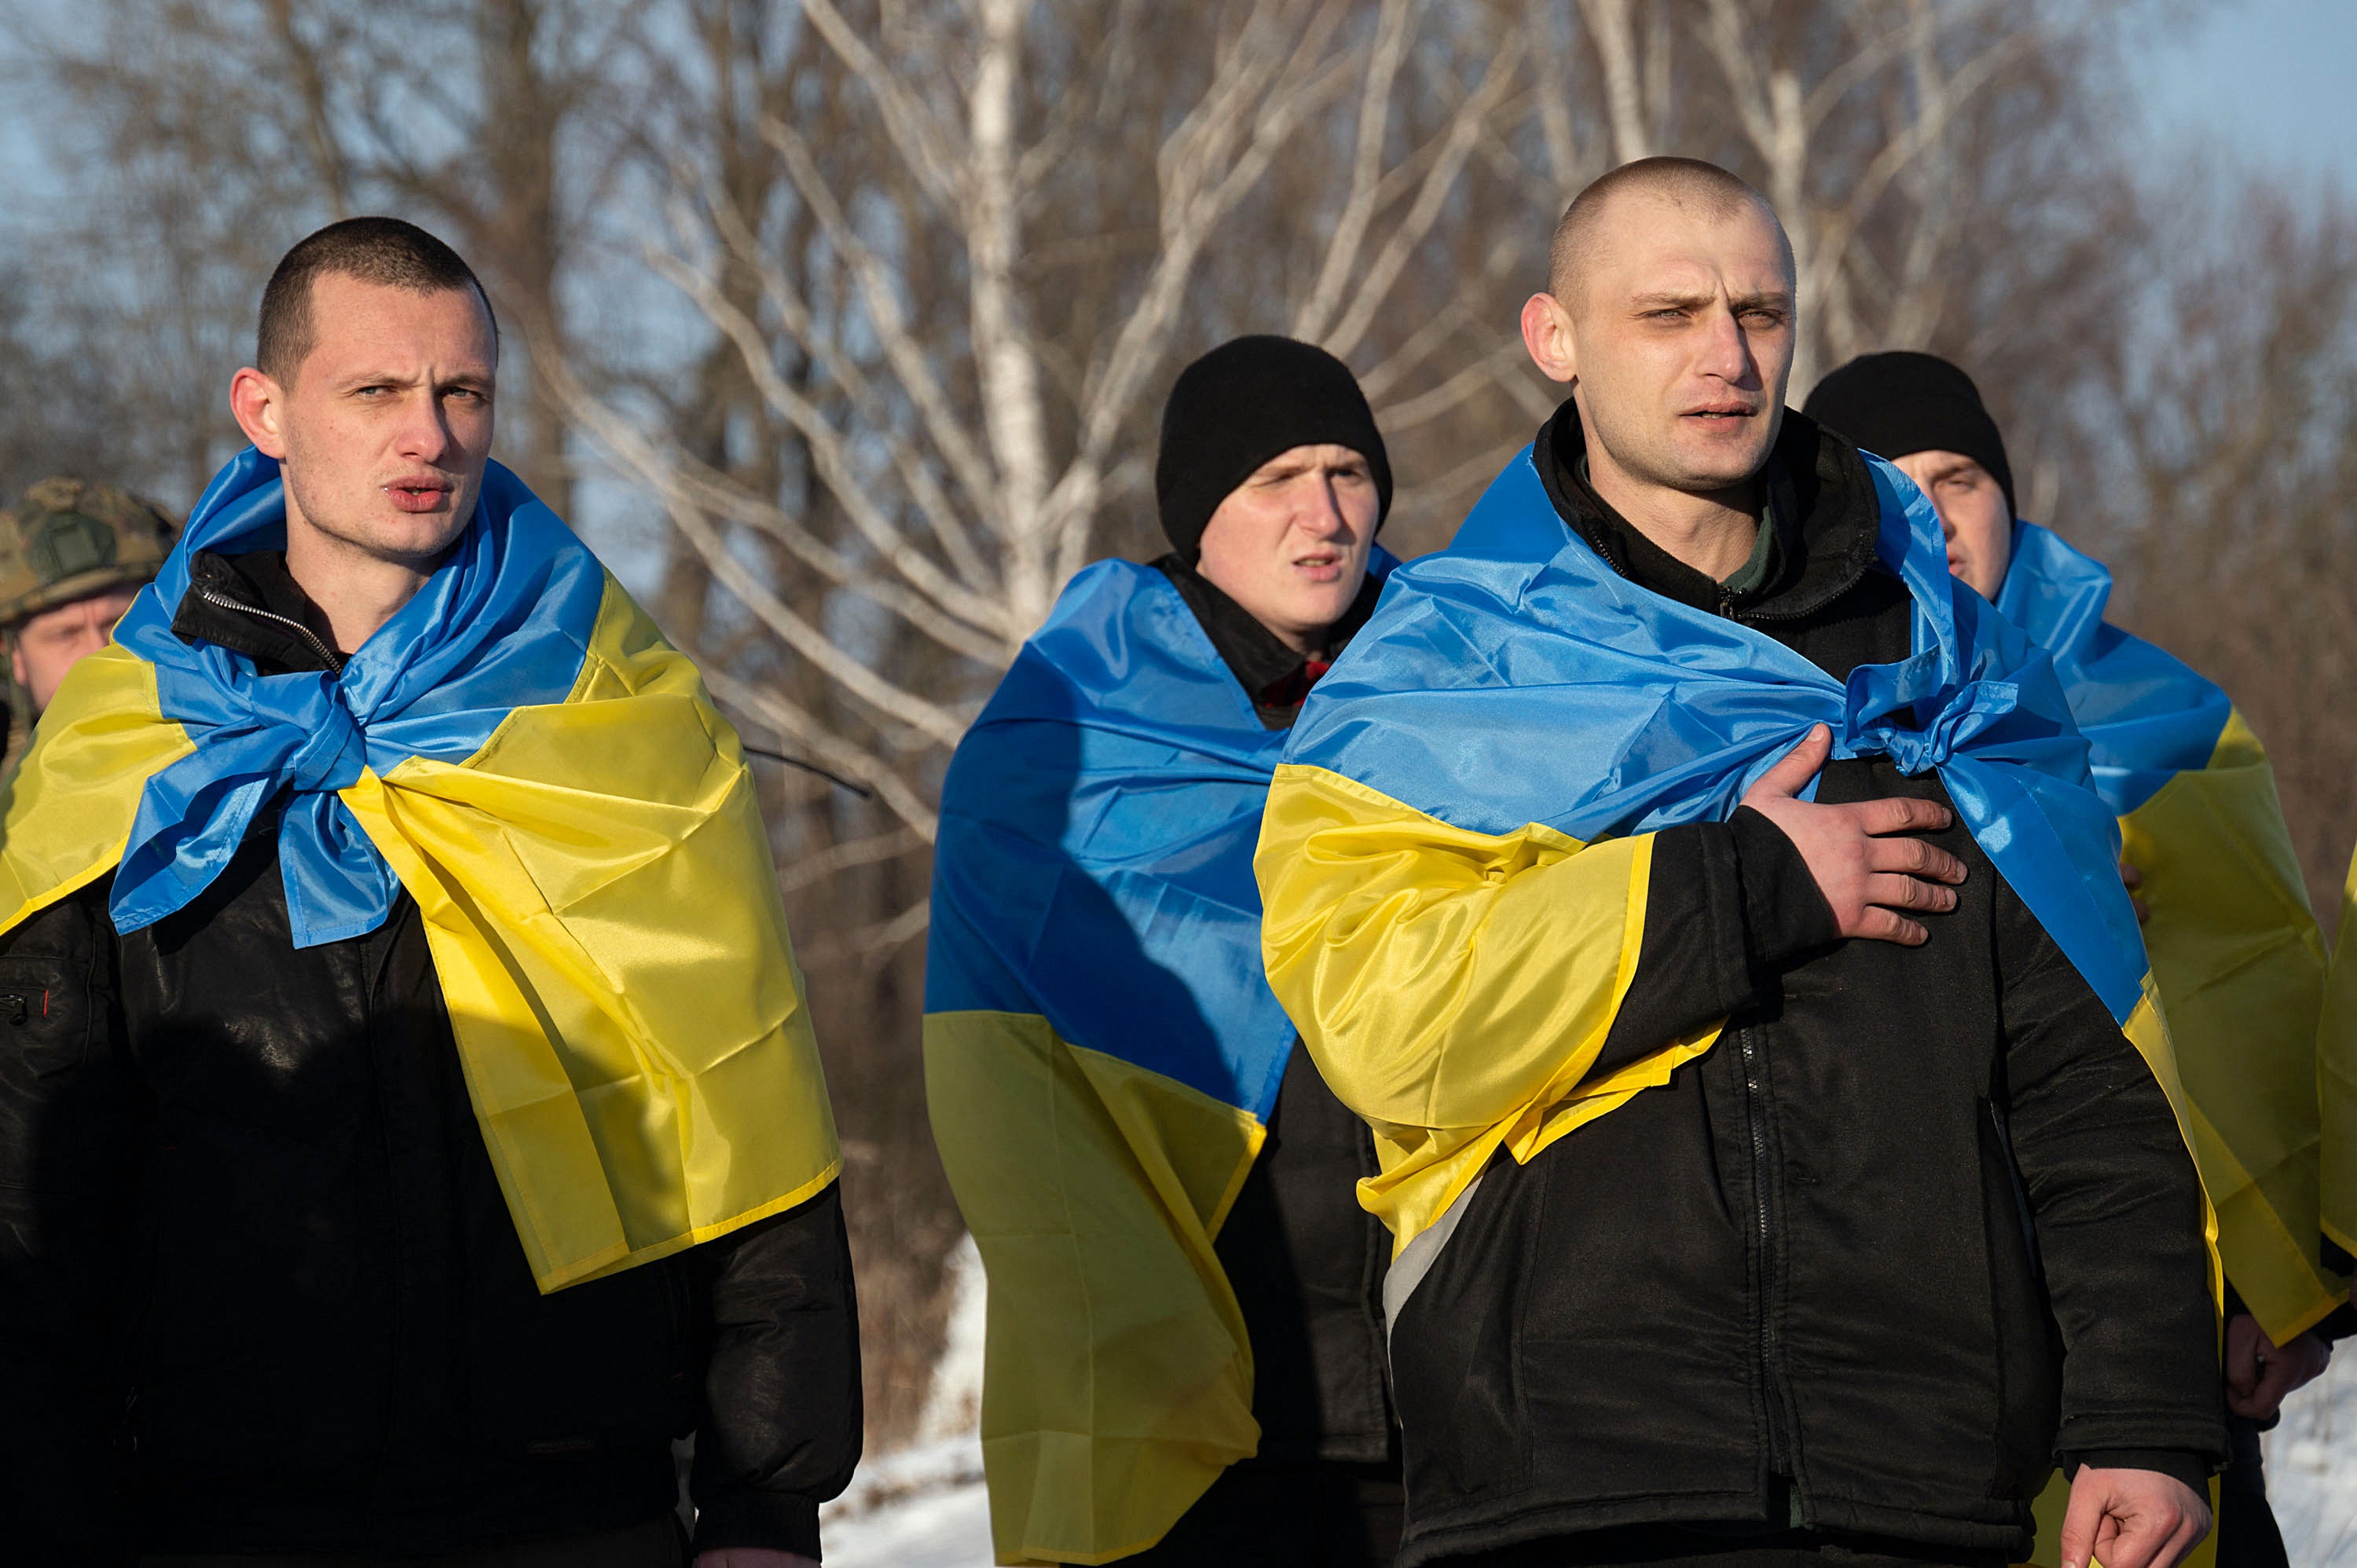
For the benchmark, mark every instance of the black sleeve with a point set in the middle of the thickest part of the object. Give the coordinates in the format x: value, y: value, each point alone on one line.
x: 1727, y: 905
x: 2118, y: 1212
x: 780, y: 1431
x: 2191, y: 1470
x: 70, y: 1114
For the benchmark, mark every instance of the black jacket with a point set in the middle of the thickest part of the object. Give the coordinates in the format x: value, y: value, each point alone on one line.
x: 1305, y: 1262
x: 259, y: 1288
x: 1920, y: 1223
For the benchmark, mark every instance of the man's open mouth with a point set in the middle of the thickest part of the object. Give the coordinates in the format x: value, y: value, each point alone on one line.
x: 419, y: 495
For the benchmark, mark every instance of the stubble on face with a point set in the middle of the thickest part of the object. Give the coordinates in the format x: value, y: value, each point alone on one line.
x: 387, y: 423
x: 1685, y: 327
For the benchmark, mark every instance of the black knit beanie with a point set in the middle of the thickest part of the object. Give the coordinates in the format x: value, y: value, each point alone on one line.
x: 1896, y: 404
x: 1243, y: 404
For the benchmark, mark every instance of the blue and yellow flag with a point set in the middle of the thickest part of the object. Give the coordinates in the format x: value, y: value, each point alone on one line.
x: 1456, y: 850
x: 519, y: 749
x: 1101, y: 1054
x: 2236, y: 952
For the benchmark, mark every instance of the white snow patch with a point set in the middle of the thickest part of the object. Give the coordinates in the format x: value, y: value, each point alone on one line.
x: 2312, y: 1468
x: 922, y: 1507
x: 953, y: 1404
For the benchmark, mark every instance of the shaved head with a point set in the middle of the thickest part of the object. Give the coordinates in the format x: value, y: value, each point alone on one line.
x: 1671, y: 315
x: 1690, y: 185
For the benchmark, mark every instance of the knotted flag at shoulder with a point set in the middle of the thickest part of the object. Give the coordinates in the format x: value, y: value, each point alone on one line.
x: 521, y: 751
x: 1101, y: 1055
x: 1480, y: 776
x: 2235, y: 948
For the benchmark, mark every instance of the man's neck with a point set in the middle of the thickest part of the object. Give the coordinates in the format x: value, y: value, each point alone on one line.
x: 356, y: 591
x: 1310, y: 644
x: 1712, y: 532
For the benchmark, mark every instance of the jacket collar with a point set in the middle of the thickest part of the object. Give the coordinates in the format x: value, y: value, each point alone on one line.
x: 248, y: 604
x: 1273, y: 675
x: 1820, y: 501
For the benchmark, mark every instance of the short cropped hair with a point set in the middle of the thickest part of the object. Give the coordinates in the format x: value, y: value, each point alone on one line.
x: 1685, y: 182
x: 384, y: 251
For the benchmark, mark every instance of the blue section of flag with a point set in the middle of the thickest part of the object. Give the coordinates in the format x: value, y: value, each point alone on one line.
x: 2146, y: 716
x: 1093, y: 864
x: 503, y: 623
x: 1516, y: 678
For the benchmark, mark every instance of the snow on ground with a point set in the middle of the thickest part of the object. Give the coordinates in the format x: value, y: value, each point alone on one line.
x: 953, y: 1404
x: 2312, y: 1468
x: 923, y: 1507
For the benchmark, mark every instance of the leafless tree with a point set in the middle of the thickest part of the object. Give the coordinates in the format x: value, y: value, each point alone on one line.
x: 2228, y: 515
x: 239, y: 125
x: 1017, y: 249
x: 853, y: 317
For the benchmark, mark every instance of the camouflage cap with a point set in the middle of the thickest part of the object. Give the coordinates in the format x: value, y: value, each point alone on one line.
x: 66, y: 538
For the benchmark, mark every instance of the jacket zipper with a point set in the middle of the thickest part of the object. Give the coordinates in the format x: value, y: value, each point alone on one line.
x: 1730, y: 610
x: 1755, y: 1095
x: 223, y: 602
x: 1755, y: 1112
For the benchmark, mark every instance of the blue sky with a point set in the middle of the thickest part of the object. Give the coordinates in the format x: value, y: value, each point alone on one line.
x: 2270, y: 83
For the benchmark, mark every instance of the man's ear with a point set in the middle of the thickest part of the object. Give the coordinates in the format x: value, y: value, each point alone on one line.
x: 260, y: 404
x: 1546, y: 333
x: 16, y: 662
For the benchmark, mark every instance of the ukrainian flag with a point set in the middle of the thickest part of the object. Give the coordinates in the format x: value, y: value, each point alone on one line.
x: 2235, y: 949
x: 1101, y: 1054
x: 521, y: 751
x: 1456, y: 846
x: 1456, y: 849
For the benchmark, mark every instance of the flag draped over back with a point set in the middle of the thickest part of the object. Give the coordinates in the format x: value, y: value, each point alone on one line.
x: 2235, y: 949
x: 1101, y: 1054
x: 518, y: 749
x: 1516, y: 706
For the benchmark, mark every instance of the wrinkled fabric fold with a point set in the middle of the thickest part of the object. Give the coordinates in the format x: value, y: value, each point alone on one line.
x: 1459, y: 800
x: 1101, y: 1057
x: 500, y: 624
x: 2235, y: 949
x: 522, y: 752
x: 1515, y: 688
x: 1515, y: 678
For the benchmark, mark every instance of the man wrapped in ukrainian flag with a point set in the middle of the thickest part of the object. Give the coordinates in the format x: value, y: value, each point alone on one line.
x: 2235, y: 949
x: 1703, y: 900
x: 409, y: 1123
x: 1185, y: 1361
